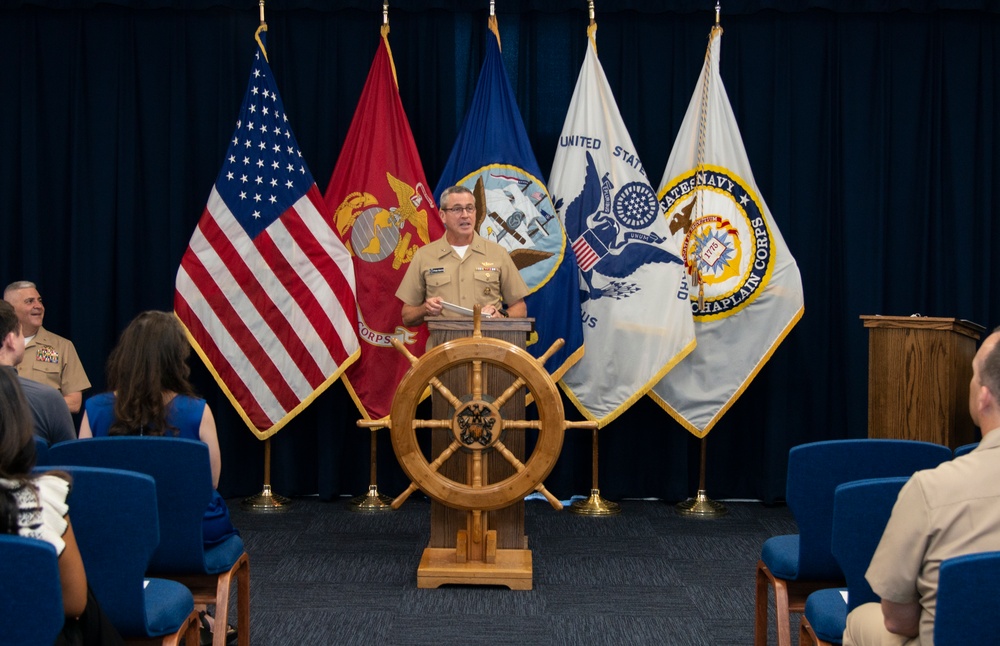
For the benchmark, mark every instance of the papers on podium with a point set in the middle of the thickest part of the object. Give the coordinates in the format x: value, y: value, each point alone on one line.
x: 458, y: 309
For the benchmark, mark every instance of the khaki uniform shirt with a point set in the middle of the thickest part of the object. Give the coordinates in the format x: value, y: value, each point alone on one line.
x: 947, y: 511
x: 52, y: 360
x: 485, y: 276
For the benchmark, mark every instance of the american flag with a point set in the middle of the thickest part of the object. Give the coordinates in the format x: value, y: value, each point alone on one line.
x: 266, y: 288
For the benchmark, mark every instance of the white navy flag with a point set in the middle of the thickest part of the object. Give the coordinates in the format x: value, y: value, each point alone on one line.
x: 746, y: 292
x: 636, y: 319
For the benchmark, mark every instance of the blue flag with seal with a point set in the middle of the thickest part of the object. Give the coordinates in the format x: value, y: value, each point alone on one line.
x: 746, y: 291
x: 493, y: 158
x: 637, y: 322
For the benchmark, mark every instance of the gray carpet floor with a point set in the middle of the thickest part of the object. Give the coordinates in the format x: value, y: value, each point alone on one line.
x: 322, y: 574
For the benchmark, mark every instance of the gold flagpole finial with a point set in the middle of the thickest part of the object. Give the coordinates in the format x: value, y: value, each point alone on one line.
x: 385, y: 12
x: 261, y: 28
x: 718, y: 10
x: 590, y: 10
x: 493, y: 8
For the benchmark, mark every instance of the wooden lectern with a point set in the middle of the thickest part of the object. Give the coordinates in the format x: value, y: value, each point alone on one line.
x: 919, y: 368
x: 508, y: 522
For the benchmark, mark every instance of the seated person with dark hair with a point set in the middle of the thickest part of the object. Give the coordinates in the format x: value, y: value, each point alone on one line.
x: 34, y: 506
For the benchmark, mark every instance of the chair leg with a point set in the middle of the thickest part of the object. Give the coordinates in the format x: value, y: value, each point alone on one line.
x: 192, y: 636
x: 789, y: 597
x: 805, y: 633
x: 216, y: 589
x: 243, y: 602
x: 781, y: 613
x: 189, y: 632
x: 221, y: 609
x: 807, y: 636
x: 760, y: 606
x: 781, y: 608
x: 241, y: 573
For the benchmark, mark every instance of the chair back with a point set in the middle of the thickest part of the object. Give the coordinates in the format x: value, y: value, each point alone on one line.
x: 965, y: 448
x: 41, y: 452
x: 861, y: 510
x: 115, y: 523
x: 968, y: 607
x: 815, y: 470
x: 183, y: 476
x: 30, y: 591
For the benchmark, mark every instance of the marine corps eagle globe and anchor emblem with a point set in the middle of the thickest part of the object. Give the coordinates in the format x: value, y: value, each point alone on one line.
x: 723, y: 237
x: 377, y: 232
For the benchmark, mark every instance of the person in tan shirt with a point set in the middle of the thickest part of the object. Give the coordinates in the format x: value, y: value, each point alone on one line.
x: 48, y: 358
x: 461, y: 268
x: 948, y: 511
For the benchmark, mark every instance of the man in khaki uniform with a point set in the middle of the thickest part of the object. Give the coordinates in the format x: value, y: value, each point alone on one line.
x: 462, y: 268
x: 940, y: 513
x: 48, y: 358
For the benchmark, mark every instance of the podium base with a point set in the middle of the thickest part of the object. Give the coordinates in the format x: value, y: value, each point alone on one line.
x: 439, y: 566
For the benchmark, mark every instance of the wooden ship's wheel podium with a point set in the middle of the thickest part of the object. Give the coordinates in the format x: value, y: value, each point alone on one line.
x: 478, y: 477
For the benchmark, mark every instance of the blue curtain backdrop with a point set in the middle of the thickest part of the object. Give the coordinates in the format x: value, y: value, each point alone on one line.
x: 873, y: 129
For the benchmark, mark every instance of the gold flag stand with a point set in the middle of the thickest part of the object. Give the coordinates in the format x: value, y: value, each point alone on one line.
x: 373, y: 501
x: 595, y: 505
x: 266, y: 501
x: 701, y: 506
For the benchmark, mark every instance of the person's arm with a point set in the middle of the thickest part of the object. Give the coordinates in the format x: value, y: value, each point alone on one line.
x: 415, y: 314
x: 73, y: 378
x: 85, y: 431
x: 74, y: 401
x: 517, y: 309
x: 209, y: 435
x: 902, y: 618
x: 60, y: 424
x: 72, y: 575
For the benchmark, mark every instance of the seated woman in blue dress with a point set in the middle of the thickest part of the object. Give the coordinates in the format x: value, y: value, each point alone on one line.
x: 149, y: 394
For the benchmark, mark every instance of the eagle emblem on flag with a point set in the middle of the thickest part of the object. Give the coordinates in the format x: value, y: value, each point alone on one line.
x: 612, y: 244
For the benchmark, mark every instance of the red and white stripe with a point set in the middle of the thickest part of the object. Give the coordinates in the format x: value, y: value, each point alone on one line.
x: 274, y: 316
x: 586, y: 257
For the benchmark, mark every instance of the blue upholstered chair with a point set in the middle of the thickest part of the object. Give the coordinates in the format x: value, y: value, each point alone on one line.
x: 30, y: 591
x: 116, y: 527
x: 968, y: 607
x: 965, y: 448
x: 41, y: 452
x: 183, y: 478
x: 861, y: 510
x: 798, y: 564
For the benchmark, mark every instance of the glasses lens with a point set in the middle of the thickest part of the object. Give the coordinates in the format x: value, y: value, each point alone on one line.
x: 469, y: 208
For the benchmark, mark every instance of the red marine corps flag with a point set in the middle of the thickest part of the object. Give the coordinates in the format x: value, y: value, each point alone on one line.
x: 383, y: 212
x: 265, y: 288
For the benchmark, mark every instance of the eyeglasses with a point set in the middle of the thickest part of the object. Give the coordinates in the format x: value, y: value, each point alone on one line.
x: 468, y: 208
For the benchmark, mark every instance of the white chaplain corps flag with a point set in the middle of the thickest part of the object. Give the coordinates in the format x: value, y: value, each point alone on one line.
x: 636, y: 320
x: 745, y: 289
